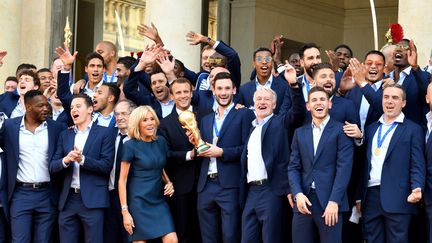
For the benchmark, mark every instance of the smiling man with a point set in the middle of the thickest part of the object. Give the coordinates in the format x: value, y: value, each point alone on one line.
x: 104, y: 100
x: 319, y: 172
x: 31, y: 189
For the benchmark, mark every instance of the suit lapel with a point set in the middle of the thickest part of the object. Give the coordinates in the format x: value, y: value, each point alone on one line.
x: 308, y: 139
x: 90, y: 138
x: 51, y: 139
x: 399, y: 131
x: 232, y: 113
x: 323, y: 140
x: 174, y: 117
x: 16, y: 142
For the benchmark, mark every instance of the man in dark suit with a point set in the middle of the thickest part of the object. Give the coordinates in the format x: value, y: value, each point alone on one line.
x: 428, y: 184
x: 182, y: 165
x: 395, y: 149
x: 29, y: 143
x: 263, y: 64
x: 264, y: 176
x: 319, y: 172
x: 85, y: 156
x: 226, y: 132
x: 114, y: 230
x: 4, y: 204
x: 415, y: 81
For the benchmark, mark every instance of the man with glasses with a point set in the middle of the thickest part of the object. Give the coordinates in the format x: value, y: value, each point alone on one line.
x: 263, y: 64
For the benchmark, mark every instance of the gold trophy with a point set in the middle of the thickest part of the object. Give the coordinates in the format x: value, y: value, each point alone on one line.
x: 189, y: 123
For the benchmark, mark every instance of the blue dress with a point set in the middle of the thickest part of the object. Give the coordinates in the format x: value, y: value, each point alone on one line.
x: 146, y: 201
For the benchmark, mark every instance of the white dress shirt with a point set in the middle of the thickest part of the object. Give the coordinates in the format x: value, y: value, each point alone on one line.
x: 18, y: 111
x: 364, y: 106
x: 33, y: 154
x: 56, y: 113
x: 167, y: 108
x: 79, y: 142
x: 102, y: 120
x: 402, y: 75
x: 316, y: 137
x: 219, y: 121
x: 429, y: 124
x: 256, y: 169
x: 377, y: 161
x: 305, y: 85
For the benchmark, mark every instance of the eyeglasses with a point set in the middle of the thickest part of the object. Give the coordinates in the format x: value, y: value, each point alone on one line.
x: 215, y: 61
x: 262, y: 59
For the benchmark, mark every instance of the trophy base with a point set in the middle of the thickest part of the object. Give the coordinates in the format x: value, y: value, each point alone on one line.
x: 201, y: 148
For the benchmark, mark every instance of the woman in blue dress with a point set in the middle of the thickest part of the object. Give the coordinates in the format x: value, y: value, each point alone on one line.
x: 146, y: 215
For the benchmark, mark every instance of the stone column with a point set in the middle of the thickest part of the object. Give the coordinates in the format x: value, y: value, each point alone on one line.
x: 223, y: 20
x: 173, y: 21
x: 415, y: 18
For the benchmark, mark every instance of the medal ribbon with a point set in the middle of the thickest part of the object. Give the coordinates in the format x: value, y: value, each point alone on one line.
x: 380, y: 139
x: 216, y: 130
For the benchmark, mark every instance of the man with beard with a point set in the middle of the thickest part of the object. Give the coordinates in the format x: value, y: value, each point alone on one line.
x: 225, y: 132
x: 319, y: 172
x: 309, y: 57
x: 342, y: 110
x: 263, y: 64
x: 29, y: 142
x: 344, y: 53
x: 294, y: 60
x: 182, y: 164
x: 104, y: 100
x: 108, y: 51
x: 415, y: 81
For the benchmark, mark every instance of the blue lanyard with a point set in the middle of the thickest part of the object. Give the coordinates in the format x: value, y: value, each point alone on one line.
x: 307, y: 85
x: 105, y: 77
x: 216, y: 130
x: 380, y: 139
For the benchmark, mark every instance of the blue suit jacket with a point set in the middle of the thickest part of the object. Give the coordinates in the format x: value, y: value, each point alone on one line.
x: 247, y: 91
x: 428, y: 185
x: 94, y: 173
x: 403, y: 169
x: 373, y: 97
x: 232, y: 138
x: 9, y: 139
x: 8, y: 102
x: 330, y: 168
x: 3, y: 187
x: 276, y: 156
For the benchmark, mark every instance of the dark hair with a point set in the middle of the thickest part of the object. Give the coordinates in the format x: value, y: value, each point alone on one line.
x: 29, y: 95
x: 180, y: 64
x: 223, y: 75
x: 261, y: 49
x: 346, y: 47
x: 126, y: 61
x: 375, y: 52
x: 93, y: 55
x: 318, y: 89
x: 113, y: 90
x: 320, y: 66
x: 180, y: 81
x: 292, y: 54
x: 24, y: 66
x: 398, y: 86
x: 87, y: 99
x: 30, y: 73
x: 43, y: 70
x: 156, y: 70
x: 12, y: 78
x: 305, y: 47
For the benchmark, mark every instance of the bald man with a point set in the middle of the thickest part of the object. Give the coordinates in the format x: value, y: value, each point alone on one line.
x: 109, y: 53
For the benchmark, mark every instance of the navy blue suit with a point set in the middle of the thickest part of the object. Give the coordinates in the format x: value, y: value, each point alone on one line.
x: 4, y: 210
x: 24, y: 211
x: 329, y: 169
x: 415, y: 86
x: 86, y: 206
x: 247, y: 90
x: 428, y: 185
x: 385, y: 209
x: 8, y: 102
x: 218, y: 198
x: 265, y: 206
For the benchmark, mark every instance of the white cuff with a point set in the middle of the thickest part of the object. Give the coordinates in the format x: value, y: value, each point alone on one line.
x: 216, y: 44
x: 188, y: 156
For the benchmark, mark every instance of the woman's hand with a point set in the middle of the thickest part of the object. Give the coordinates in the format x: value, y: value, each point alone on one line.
x: 169, y: 189
x: 128, y: 222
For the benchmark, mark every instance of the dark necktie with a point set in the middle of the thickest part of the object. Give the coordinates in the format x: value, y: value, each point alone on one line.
x: 118, y: 159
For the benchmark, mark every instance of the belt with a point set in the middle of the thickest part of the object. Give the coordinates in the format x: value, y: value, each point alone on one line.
x: 258, y: 182
x: 212, y: 175
x: 74, y: 190
x: 35, y: 185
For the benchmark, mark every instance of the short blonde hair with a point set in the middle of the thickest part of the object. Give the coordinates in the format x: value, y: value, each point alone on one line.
x: 136, y: 117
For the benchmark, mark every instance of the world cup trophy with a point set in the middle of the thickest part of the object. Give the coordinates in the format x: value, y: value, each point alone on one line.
x: 189, y: 123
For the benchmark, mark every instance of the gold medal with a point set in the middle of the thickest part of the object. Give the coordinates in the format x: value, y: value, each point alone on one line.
x: 216, y: 140
x: 377, y: 151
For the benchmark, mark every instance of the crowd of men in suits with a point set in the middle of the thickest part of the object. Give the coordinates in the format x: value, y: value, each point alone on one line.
x: 298, y: 152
